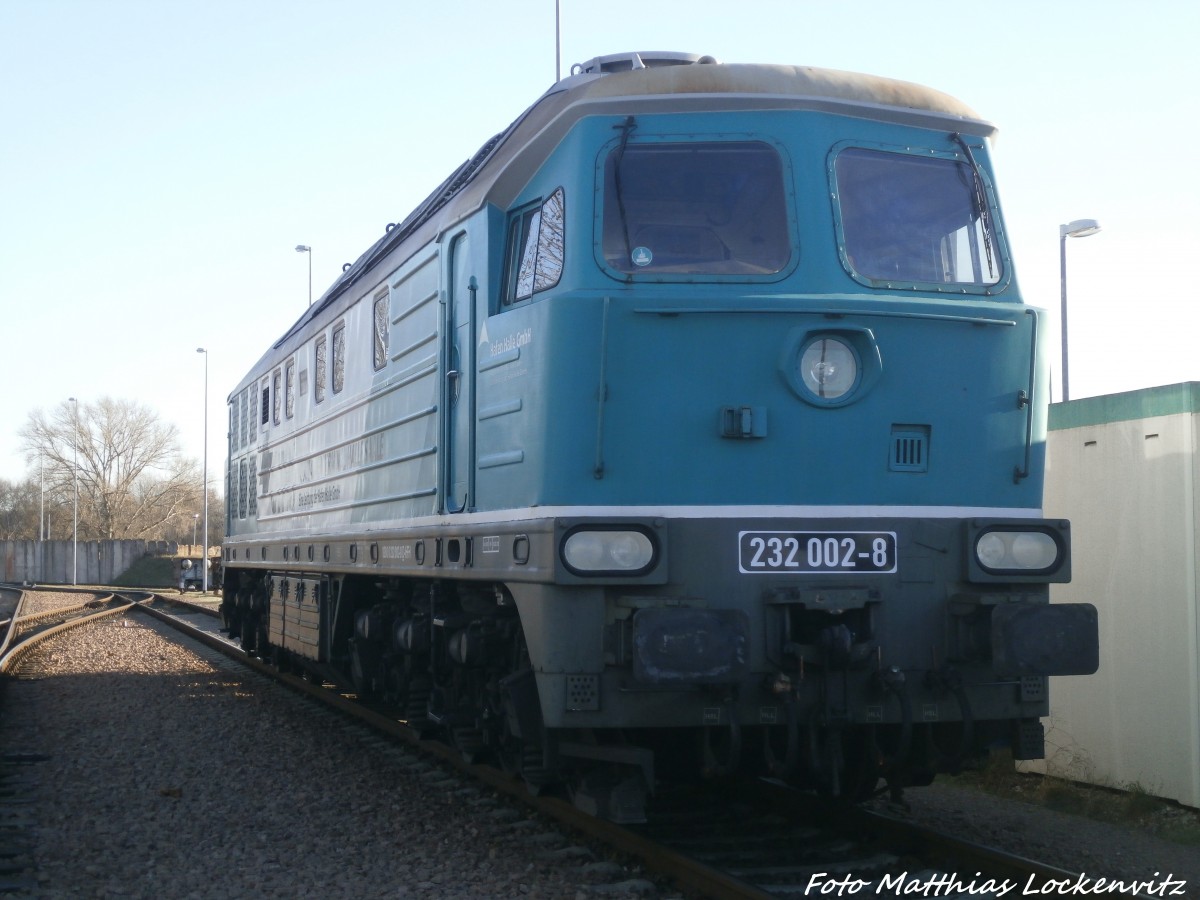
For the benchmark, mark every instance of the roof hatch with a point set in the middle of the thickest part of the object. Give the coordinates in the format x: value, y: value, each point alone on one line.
x: 647, y: 59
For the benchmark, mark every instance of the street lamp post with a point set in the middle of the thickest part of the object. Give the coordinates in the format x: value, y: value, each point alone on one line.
x: 204, y: 563
x: 75, y: 512
x: 1076, y: 229
x: 301, y: 248
x: 42, y: 518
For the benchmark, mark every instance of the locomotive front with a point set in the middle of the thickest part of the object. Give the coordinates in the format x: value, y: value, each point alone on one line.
x: 794, y: 418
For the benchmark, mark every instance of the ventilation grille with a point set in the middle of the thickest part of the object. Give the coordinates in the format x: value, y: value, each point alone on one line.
x: 1033, y: 688
x: 583, y: 693
x: 910, y: 448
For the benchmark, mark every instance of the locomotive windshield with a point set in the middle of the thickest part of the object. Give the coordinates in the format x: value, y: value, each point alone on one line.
x: 703, y: 208
x: 913, y: 219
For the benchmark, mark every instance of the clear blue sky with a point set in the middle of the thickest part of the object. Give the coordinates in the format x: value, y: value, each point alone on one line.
x: 160, y: 160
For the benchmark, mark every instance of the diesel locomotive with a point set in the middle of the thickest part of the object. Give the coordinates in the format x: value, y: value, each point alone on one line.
x: 695, y: 425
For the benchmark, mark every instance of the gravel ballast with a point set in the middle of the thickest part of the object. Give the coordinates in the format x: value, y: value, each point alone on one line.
x: 168, y: 777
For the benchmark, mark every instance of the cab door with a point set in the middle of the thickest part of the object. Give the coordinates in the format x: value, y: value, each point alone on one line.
x: 460, y: 379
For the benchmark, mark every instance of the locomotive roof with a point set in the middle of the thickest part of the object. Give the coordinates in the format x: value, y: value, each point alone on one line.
x: 648, y: 83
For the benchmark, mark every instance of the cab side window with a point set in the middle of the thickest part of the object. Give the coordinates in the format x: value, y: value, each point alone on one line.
x: 339, y: 358
x: 381, y: 316
x: 535, y: 249
x: 233, y: 430
x: 290, y: 395
x: 320, y: 368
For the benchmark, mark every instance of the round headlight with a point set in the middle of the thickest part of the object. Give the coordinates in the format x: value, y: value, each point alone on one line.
x: 584, y: 550
x: 630, y: 550
x: 1034, y: 550
x: 991, y: 550
x: 828, y: 368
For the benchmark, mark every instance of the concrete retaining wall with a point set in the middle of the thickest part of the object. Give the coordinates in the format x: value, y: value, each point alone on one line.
x: 55, y: 562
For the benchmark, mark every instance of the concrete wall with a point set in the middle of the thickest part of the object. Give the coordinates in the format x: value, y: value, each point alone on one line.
x: 1125, y: 470
x: 54, y: 562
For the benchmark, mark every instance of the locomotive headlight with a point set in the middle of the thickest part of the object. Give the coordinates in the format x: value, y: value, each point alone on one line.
x: 990, y: 550
x: 828, y: 368
x: 608, y: 551
x: 1034, y: 550
x: 1017, y: 551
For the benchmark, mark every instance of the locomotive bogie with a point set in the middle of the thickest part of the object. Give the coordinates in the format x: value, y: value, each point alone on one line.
x: 699, y: 410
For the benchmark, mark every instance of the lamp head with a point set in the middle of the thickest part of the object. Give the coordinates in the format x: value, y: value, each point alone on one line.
x: 1079, y: 228
x: 300, y: 248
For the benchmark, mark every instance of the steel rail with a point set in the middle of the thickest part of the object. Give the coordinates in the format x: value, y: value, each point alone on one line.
x: 96, y: 599
x: 10, y: 624
x: 14, y: 654
x: 1030, y: 875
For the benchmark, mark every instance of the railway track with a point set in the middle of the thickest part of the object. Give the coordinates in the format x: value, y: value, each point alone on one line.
x: 773, y: 843
x: 22, y: 627
x: 742, y: 839
x: 754, y: 839
x: 21, y: 630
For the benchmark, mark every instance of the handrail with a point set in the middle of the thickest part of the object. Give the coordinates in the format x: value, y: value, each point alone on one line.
x: 1025, y: 400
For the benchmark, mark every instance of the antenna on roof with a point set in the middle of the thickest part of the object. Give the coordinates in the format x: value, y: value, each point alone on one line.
x: 557, y: 41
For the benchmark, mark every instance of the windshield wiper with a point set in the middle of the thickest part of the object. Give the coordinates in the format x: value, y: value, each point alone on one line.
x: 981, y: 204
x: 626, y: 129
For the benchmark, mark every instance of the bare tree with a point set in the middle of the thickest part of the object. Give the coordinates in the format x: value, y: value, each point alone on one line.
x: 19, y: 509
x: 34, y: 509
x: 133, y: 483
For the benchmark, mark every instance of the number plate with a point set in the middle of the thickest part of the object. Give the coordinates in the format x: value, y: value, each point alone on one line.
x: 823, y: 552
